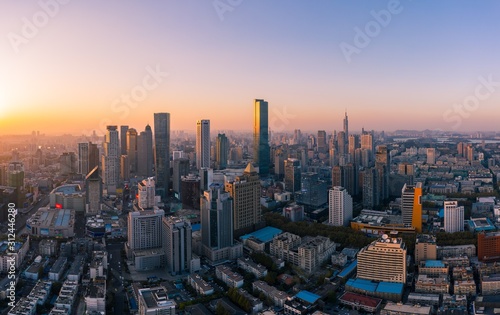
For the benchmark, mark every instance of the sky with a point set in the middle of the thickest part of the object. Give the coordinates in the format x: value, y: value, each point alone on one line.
x: 72, y: 66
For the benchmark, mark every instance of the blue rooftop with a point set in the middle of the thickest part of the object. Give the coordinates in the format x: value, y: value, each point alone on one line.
x: 362, y: 284
x: 264, y: 235
x: 434, y: 264
x: 67, y: 189
x: 308, y: 296
x: 347, y: 270
x: 196, y: 227
x: 390, y: 287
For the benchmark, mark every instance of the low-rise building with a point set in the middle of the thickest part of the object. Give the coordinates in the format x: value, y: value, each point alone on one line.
x: 200, y: 285
x: 38, y: 296
x: 249, y: 265
x: 392, y: 291
x: 433, y: 268
x: 278, y: 297
x: 426, y: 284
x: 58, y: 268
x: 490, y: 284
x: 466, y: 287
x: 458, y: 250
x: 66, y: 298
x: 153, y: 301
x: 48, y: 222
x: 229, y: 277
x: 423, y: 299
x: 95, y: 297
x: 405, y: 309
x: 360, y: 302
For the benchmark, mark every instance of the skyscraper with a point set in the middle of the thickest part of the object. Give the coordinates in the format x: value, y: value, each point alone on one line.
x: 261, y: 150
x: 346, y: 126
x: 93, y: 192
x: 411, y: 206
x: 292, y: 175
x: 132, y: 149
x: 181, y: 168
x: 206, y: 178
x: 83, y: 158
x: 177, y: 244
x: 202, y: 143
x: 111, y: 159
x: 340, y: 206
x: 453, y: 217
x: 370, y: 188
x: 221, y: 151
x: 216, y: 218
x: 245, y: 191
x: 123, y: 140
x: 162, y: 153
x: 146, y: 192
x: 313, y: 191
x: 145, y: 153
x: 431, y: 156
x: 322, y: 148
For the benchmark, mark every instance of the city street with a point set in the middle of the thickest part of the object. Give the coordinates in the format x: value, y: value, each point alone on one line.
x: 116, y: 276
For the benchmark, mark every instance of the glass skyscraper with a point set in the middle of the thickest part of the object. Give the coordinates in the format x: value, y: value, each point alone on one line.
x: 261, y: 151
x: 162, y: 152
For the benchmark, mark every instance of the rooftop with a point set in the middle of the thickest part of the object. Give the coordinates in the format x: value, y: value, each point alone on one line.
x: 265, y: 235
x: 347, y: 270
x: 67, y: 189
x: 371, y: 286
x: 409, y: 309
x: 434, y: 264
x: 156, y: 298
x: 360, y: 299
x: 308, y: 296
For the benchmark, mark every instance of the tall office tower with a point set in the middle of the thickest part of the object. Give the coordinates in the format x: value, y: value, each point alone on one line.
x: 367, y: 143
x: 313, y: 192
x: 94, y: 156
x: 370, y: 188
x: 406, y: 169
x: 460, y: 149
x: 221, y: 151
x: 411, y: 206
x: 131, y: 139
x: 162, y: 153
x: 146, y: 191
x: 322, y: 145
x: 83, y: 158
x: 245, y: 191
x: 297, y: 136
x: 93, y: 194
x: 431, y: 156
x: 353, y: 145
x: 345, y: 176
x: 145, y: 239
x: 279, y: 162
x: 382, y: 164
x: 145, y: 153
x: 177, y: 244
x: 111, y: 160
x: 206, y: 178
x: 124, y: 168
x: 216, y: 218
x: 383, y: 260
x: 425, y: 248
x: 181, y: 168
x: 202, y: 143
x: 123, y: 140
x: 346, y: 126
x: 261, y: 151
x: 342, y: 143
x: 453, y: 217
x: 334, y: 156
x: 339, y: 206
x: 469, y: 152
x: 292, y: 175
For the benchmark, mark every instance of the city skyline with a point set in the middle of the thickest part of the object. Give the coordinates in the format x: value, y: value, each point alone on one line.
x: 64, y: 75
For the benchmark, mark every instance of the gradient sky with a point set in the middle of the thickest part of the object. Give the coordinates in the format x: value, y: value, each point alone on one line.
x: 429, y: 57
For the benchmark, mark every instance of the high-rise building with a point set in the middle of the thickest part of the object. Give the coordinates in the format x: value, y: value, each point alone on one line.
x: 155, y: 301
x: 93, y: 195
x: 383, y: 260
x: 216, y: 218
x: 146, y: 239
x: 261, y: 150
x: 453, y: 217
x: 221, y: 151
x: 146, y: 191
x: 131, y: 139
x: 370, y: 188
x: 322, y: 147
x: 292, y: 175
x: 177, y: 244
x: 181, y: 168
x: 203, y: 143
x: 145, y: 153
x: 460, y: 149
x: 313, y: 192
x: 190, y: 191
x: 162, y: 153
x: 488, y: 246
x: 124, y: 168
x: 83, y: 158
x: 353, y: 145
x: 345, y: 176
x: 425, y: 248
x: 346, y: 126
x: 94, y: 156
x: 341, y: 144
x: 111, y: 160
x: 123, y: 140
x: 411, y: 206
x: 431, y: 156
x: 340, y: 206
x: 367, y: 144
x: 206, y: 178
x: 245, y: 191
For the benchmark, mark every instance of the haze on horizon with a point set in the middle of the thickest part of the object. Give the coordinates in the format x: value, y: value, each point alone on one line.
x: 199, y: 60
